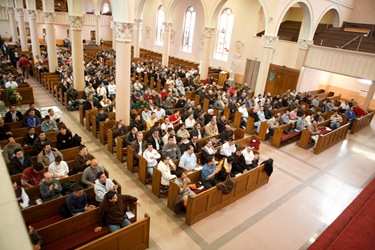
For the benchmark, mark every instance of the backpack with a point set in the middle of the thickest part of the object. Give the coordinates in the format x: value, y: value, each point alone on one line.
x: 68, y: 187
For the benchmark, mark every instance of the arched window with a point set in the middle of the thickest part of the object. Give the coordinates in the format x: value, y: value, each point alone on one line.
x: 224, y: 35
x: 160, y: 27
x: 187, y: 42
x: 105, y: 8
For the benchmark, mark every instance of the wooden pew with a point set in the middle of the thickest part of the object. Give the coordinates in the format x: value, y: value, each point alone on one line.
x: 362, y: 122
x: 279, y: 136
x: 88, y: 115
x: 103, y: 130
x: 95, y: 128
x: 26, y: 93
x: 120, y: 149
x: 81, y: 95
x: 263, y: 130
x: 130, y: 159
x: 237, y: 119
x: 135, y: 236
x: 331, y: 138
x: 306, y: 135
x: 156, y: 182
x: 211, y: 200
x: 62, y: 235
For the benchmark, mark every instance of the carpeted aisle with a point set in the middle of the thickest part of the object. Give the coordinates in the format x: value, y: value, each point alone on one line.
x: 354, y: 228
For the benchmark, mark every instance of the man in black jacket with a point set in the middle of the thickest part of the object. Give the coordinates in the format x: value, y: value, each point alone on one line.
x: 20, y: 162
x: 239, y: 163
x: 13, y: 115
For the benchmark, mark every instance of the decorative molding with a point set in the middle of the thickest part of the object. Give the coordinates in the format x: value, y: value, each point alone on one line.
x: 167, y: 26
x: 208, y: 32
x: 123, y: 31
x: 238, y: 48
x: 137, y: 23
x: 97, y: 18
x: 10, y: 10
x: 20, y: 12
x: 269, y: 41
x: 172, y: 36
x: 147, y: 32
x: 49, y: 17
x: 32, y: 14
x: 304, y: 44
x: 76, y: 22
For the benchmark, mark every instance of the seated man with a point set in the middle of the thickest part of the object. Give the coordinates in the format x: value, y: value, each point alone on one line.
x: 32, y: 176
x: 112, y: 211
x: 58, y: 169
x: 165, y: 168
x: 54, y: 116
x: 21, y: 196
x: 139, y: 145
x: 151, y: 156
x: 10, y: 148
x: 188, y: 160
x: 194, y: 142
x: 83, y: 159
x: 48, y: 125
x: 209, y: 171
x: 227, y: 133
x: 101, y: 116
x: 20, y: 162
x: 31, y: 120
x: 13, y: 115
x: 228, y: 148
x: 239, y: 163
x: 48, y: 155
x: 50, y: 188
x: 40, y: 141
x: 77, y: 202
x: 130, y: 136
x: 30, y: 137
x: 171, y: 149
x: 211, y: 128
x: 314, y: 130
x: 102, y: 186
x: 336, y: 120
x: 250, y: 158
x: 4, y: 130
x: 89, y: 175
x: 73, y: 100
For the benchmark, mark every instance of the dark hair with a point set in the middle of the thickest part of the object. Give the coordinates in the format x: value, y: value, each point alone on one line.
x: 81, y: 147
x: 230, y: 159
x: 58, y: 158
x: 149, y: 144
x: 77, y: 188
x: 30, y: 128
x: 99, y: 174
x: 209, y: 158
x: 47, y: 117
x: 171, y: 137
x: 46, y: 144
x: 163, y: 157
x: 17, y: 150
x: 38, y: 166
x: 178, y: 139
x: 109, y: 195
x: 179, y: 172
x: 9, y: 138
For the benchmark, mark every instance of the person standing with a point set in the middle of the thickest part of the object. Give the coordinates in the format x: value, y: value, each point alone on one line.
x: 24, y: 64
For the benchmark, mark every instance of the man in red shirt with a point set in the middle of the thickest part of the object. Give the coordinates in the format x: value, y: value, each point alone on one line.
x: 24, y: 64
x: 359, y: 112
x: 31, y: 176
x: 175, y: 118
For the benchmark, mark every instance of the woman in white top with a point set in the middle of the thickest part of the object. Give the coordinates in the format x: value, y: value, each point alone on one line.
x: 190, y: 122
x: 151, y: 156
x: 165, y: 170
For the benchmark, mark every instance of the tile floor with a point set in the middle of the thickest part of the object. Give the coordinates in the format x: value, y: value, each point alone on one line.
x: 306, y: 192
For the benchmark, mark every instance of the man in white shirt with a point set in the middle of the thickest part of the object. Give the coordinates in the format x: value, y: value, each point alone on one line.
x: 151, y: 156
x: 159, y: 112
x: 100, y: 91
x: 165, y: 138
x: 11, y: 84
x: 102, y: 186
x: 59, y: 168
x: 248, y: 154
x: 228, y: 148
x: 165, y: 168
x: 112, y: 89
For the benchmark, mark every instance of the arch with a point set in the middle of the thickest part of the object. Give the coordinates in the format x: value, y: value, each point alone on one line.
x: 170, y: 10
x: 122, y: 10
x: 337, y: 16
x: 139, y: 9
x: 307, y: 21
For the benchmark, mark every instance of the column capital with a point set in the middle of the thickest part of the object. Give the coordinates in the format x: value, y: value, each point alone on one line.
x: 32, y: 14
x: 76, y: 22
x: 123, y: 31
x: 208, y: 32
x: 167, y: 26
x: 137, y: 22
x: 10, y: 10
x: 19, y: 11
x: 49, y: 17
x: 269, y: 41
x: 304, y: 43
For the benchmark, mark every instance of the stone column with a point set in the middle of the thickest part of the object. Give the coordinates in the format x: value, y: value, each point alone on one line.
x: 166, y: 43
x: 208, y: 33
x: 22, y: 29
x: 268, y: 49
x: 76, y: 24
x: 49, y: 20
x: 97, y: 29
x: 369, y: 96
x: 113, y: 35
x: 32, y: 15
x: 137, y: 31
x: 123, y: 33
x: 12, y: 24
x: 302, y: 52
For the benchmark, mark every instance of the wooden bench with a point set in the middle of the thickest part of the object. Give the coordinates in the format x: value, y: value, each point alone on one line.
x: 135, y: 236
x: 327, y: 140
x: 81, y: 95
x: 280, y: 136
x: 74, y: 231
x: 88, y: 115
x: 360, y: 123
x: 104, y: 127
x: 305, y: 138
x: 95, y: 125
x: 211, y: 200
x: 26, y: 93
